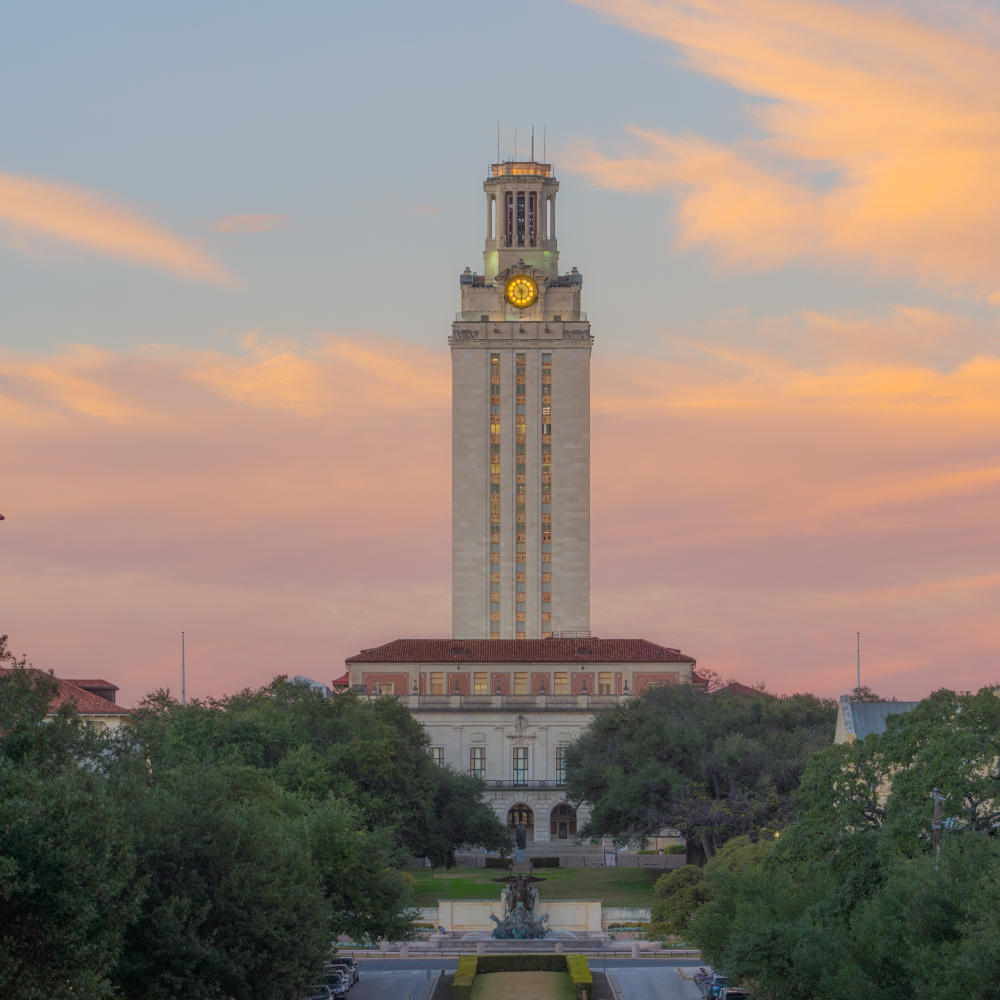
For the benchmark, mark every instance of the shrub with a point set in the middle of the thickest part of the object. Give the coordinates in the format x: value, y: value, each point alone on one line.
x: 579, y: 973
x: 461, y: 987
x: 497, y: 863
x: 546, y: 862
x: 675, y: 849
x: 521, y: 963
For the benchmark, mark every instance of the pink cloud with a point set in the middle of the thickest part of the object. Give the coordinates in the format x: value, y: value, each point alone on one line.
x: 901, y: 111
x: 288, y: 504
x: 32, y: 207
x: 261, y: 223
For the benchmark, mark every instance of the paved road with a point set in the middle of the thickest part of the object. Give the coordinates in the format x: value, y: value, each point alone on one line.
x: 396, y: 980
x: 411, y: 979
x: 664, y: 982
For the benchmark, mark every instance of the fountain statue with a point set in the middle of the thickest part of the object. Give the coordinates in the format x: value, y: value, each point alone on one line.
x: 519, y: 919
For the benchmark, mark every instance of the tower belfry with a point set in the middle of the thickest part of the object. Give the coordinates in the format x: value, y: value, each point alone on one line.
x: 520, y: 351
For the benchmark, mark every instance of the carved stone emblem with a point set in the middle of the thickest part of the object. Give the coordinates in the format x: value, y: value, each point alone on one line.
x: 466, y: 335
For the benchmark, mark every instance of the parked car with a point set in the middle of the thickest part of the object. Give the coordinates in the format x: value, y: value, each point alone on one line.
x: 319, y: 992
x: 339, y: 982
x: 333, y: 968
x: 350, y: 964
x: 734, y: 993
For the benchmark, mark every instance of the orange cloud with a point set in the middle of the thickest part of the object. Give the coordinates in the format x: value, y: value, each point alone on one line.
x: 58, y: 211
x: 249, y: 223
x: 288, y: 503
x: 904, y: 114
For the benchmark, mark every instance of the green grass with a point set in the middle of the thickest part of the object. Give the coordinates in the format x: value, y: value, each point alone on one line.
x: 613, y: 886
x: 523, y: 985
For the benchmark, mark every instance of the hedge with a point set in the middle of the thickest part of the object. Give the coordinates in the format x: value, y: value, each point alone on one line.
x: 497, y: 863
x: 579, y: 972
x: 461, y: 988
x: 545, y: 862
x: 470, y: 965
x: 522, y: 963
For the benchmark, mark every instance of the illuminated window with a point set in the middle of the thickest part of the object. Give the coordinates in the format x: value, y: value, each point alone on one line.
x: 480, y: 683
x: 560, y: 683
x: 520, y: 765
x: 437, y: 683
x: 477, y: 762
x: 386, y: 687
x: 437, y: 755
x: 520, y: 683
x: 494, y: 635
x: 604, y: 683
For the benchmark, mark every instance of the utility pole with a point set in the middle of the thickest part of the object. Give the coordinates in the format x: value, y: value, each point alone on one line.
x: 182, y: 669
x: 858, y: 689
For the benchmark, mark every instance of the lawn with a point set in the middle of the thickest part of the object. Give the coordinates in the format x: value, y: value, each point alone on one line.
x: 613, y: 886
x: 523, y: 985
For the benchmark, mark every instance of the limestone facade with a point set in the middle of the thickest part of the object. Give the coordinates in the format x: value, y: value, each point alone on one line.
x: 506, y: 710
x: 520, y: 427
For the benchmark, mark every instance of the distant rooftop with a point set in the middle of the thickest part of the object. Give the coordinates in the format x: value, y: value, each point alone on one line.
x: 858, y: 719
x: 579, y: 650
x: 519, y: 168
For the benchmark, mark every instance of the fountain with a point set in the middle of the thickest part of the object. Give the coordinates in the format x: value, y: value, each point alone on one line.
x: 519, y: 919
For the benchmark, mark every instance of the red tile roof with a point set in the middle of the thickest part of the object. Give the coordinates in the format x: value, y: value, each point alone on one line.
x: 735, y: 687
x: 592, y: 650
x: 342, y: 681
x: 96, y: 683
x: 85, y: 702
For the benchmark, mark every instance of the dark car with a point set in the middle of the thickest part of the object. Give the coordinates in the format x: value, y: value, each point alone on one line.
x: 319, y: 992
x: 339, y: 970
x: 339, y: 982
x: 353, y: 971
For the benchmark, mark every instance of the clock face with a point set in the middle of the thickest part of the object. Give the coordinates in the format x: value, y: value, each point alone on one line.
x: 521, y: 291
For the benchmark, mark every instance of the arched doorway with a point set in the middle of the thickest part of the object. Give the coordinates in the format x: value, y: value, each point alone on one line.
x: 520, y: 813
x: 563, y: 822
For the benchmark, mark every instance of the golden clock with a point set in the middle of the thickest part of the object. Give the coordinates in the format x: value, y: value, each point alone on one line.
x: 521, y: 291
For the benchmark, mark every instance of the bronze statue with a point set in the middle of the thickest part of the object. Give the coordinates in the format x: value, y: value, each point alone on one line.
x: 521, y: 836
x: 519, y: 899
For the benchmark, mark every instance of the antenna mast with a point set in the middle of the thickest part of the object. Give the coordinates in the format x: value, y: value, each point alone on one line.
x: 859, y: 665
x: 532, y: 143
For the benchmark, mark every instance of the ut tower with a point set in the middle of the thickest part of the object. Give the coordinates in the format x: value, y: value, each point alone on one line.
x: 520, y: 350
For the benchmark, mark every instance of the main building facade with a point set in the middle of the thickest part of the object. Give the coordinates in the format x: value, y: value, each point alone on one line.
x: 521, y: 677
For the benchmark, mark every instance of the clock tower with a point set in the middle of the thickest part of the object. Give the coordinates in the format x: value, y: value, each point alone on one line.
x: 520, y: 349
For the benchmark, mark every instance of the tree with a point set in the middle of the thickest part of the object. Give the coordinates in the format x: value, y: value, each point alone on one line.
x: 67, y: 886
x: 371, y: 754
x: 712, y: 766
x: 234, y: 904
x: 853, y: 901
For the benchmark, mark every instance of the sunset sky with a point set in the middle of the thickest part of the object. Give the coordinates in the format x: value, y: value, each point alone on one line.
x: 230, y: 241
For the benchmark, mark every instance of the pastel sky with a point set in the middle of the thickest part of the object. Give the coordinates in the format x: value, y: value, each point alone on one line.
x: 230, y: 237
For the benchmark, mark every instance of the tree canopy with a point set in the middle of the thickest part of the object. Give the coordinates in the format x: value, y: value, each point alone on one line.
x: 214, y: 849
x: 713, y: 766
x: 853, y: 901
